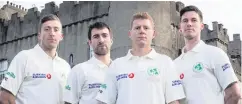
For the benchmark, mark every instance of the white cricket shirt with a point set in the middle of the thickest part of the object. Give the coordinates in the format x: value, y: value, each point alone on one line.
x: 205, y: 72
x: 35, y: 78
x: 150, y: 79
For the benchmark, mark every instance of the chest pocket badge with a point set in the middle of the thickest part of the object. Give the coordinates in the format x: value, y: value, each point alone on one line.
x: 198, y: 67
x: 153, y: 74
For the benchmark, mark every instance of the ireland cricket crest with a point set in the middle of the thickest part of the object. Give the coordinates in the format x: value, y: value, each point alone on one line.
x: 153, y: 71
x: 198, y: 67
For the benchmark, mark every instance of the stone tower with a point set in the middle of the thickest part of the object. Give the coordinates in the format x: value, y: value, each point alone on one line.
x: 10, y: 8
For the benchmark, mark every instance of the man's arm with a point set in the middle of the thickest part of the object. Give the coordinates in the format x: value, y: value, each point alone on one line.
x: 224, y: 72
x: 13, y: 79
x: 173, y: 85
x: 232, y: 94
x: 75, y: 82
x: 108, y: 91
x: 6, y: 97
x: 174, y: 102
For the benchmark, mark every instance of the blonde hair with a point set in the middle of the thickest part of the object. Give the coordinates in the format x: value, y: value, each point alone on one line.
x: 142, y: 15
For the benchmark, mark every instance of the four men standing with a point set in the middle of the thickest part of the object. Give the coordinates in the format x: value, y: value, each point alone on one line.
x: 199, y: 75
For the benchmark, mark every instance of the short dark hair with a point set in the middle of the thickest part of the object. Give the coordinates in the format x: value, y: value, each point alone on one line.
x: 191, y: 8
x: 97, y: 25
x: 49, y: 17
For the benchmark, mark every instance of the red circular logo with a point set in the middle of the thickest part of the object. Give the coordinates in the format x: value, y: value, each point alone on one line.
x: 131, y: 75
x: 48, y: 76
x: 181, y: 76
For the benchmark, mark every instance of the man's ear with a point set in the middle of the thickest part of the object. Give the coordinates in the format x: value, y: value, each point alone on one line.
x: 62, y: 36
x: 129, y: 34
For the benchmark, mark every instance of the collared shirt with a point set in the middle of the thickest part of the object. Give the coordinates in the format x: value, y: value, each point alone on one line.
x: 35, y: 78
x: 149, y: 79
x: 84, y: 82
x: 205, y: 72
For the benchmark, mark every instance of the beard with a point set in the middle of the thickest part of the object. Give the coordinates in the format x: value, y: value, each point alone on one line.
x: 101, y: 50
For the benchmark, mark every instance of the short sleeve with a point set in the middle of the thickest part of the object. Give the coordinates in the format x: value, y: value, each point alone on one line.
x: 15, y: 74
x: 223, y: 69
x: 108, y: 90
x: 75, y: 81
x: 173, y: 86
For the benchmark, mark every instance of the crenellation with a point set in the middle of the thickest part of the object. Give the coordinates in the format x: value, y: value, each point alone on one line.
x: 50, y: 8
x: 215, y: 26
x: 220, y: 27
x: 225, y: 31
x: 32, y: 10
x: 236, y: 37
x: 206, y: 26
x: 179, y: 6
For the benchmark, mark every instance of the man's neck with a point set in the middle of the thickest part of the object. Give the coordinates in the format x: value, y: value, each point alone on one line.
x: 137, y: 51
x: 190, y: 44
x: 105, y: 58
x: 49, y: 52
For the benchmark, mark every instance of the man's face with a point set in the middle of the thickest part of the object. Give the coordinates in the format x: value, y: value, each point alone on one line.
x: 101, y: 41
x: 50, y: 34
x: 191, y: 25
x: 142, y: 32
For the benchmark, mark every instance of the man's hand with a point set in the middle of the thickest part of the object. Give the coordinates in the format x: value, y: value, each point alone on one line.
x: 6, y: 97
x: 232, y: 94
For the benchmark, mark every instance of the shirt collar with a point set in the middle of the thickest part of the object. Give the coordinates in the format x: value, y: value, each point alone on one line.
x: 43, y: 54
x: 151, y: 55
x: 197, y: 48
x: 99, y: 63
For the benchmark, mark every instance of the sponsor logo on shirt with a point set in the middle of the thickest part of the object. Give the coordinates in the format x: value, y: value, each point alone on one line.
x: 104, y: 86
x: 131, y: 75
x: 176, y: 82
x: 181, y: 76
x: 94, y: 85
x: 11, y: 74
x: 122, y: 76
x: 48, y: 76
x: 198, y: 67
x: 153, y: 71
x: 100, y: 91
x: 41, y: 75
x: 225, y: 66
x: 67, y: 87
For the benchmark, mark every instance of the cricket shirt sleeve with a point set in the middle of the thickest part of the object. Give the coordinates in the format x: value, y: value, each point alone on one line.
x: 108, y: 91
x: 223, y: 69
x: 75, y: 81
x: 15, y: 74
x: 173, y: 85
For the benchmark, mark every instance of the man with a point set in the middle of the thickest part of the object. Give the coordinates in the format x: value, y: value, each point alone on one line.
x: 142, y: 76
x: 86, y: 78
x: 37, y: 75
x: 205, y: 70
